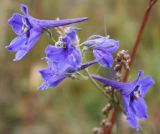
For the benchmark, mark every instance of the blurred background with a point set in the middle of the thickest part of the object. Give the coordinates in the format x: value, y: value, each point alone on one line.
x: 74, y: 107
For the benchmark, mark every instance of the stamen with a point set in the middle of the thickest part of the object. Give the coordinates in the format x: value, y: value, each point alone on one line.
x: 60, y: 44
x: 137, y: 94
x: 24, y: 28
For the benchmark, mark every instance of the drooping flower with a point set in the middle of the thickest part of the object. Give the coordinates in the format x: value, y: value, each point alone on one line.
x: 29, y: 29
x: 133, y: 94
x: 103, y: 48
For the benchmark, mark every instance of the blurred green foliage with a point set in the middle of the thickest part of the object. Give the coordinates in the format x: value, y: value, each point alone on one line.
x: 74, y: 107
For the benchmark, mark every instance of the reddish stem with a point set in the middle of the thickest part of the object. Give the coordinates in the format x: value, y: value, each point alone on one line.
x: 133, y: 53
x: 139, y: 35
x: 113, y: 119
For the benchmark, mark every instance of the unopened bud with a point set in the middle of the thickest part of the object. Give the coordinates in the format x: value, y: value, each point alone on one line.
x: 106, y: 123
x: 122, y: 60
x: 107, y: 108
x: 117, y: 67
x: 108, y: 89
x: 98, y: 131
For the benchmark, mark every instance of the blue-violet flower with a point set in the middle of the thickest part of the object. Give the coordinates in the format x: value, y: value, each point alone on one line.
x: 63, y: 59
x: 102, y: 47
x: 29, y: 29
x: 133, y: 94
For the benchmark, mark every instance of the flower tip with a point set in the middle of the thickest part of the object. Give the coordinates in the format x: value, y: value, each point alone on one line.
x: 40, y: 71
x: 85, y: 18
x: 82, y: 19
x: 7, y: 47
x: 24, y: 9
x: 43, y: 86
x: 16, y: 59
x: 140, y: 73
x: 13, y: 18
x: 23, y: 6
x: 10, y: 20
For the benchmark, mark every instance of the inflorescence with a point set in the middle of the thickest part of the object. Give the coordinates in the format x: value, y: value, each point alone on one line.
x: 65, y: 60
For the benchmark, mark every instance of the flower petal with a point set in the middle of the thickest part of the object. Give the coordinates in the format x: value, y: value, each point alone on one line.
x: 16, y: 43
x: 52, y: 84
x: 24, y: 9
x: 140, y: 74
x: 140, y: 107
x: 56, y: 54
x: 51, y: 79
x: 108, y: 45
x: 104, y: 58
x: 71, y: 33
x: 133, y: 121
x: 47, y: 73
x: 87, y: 64
x: 16, y: 23
x: 120, y: 86
x: 146, y: 83
x: 126, y: 101
x: 75, y: 59
x: 130, y: 113
x: 34, y: 35
x: 19, y: 55
x: 27, y: 45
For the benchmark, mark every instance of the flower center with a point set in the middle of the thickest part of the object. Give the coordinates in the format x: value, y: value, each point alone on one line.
x: 136, y: 93
x: 60, y: 44
x: 25, y: 26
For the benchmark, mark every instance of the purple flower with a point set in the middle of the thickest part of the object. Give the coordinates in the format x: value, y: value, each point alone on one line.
x: 65, y: 50
x: 63, y: 59
x: 29, y: 30
x: 102, y: 47
x: 133, y: 94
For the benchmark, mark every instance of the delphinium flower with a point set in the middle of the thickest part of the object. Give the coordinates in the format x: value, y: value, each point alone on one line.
x: 64, y: 59
x: 103, y: 48
x: 29, y: 29
x: 133, y: 94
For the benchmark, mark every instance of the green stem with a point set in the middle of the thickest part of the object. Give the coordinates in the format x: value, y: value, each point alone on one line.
x: 50, y: 35
x: 97, y: 85
x: 98, y: 69
x: 82, y: 75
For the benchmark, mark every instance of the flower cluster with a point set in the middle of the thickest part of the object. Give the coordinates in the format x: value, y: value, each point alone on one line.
x: 65, y: 59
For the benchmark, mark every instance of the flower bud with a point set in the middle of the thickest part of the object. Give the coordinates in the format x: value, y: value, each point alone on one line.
x: 107, y: 108
x: 98, y: 131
